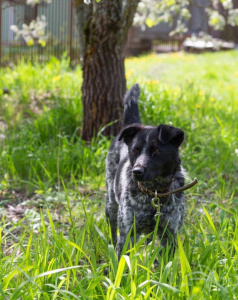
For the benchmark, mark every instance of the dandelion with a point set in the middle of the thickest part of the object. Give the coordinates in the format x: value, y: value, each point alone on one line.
x: 129, y: 73
x: 228, y: 88
x: 201, y: 93
x: 212, y: 99
x: 154, y: 81
x: 56, y: 78
x: 175, y: 54
x: 135, y: 58
x: 198, y: 106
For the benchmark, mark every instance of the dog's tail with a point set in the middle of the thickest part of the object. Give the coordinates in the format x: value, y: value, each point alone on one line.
x: 131, y: 111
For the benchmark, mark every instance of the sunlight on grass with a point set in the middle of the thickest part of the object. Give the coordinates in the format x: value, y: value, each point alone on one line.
x: 53, y: 233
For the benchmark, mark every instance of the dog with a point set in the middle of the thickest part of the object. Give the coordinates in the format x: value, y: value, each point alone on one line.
x: 142, y: 159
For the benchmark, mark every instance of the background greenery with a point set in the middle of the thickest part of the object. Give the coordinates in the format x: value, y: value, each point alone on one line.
x: 53, y: 231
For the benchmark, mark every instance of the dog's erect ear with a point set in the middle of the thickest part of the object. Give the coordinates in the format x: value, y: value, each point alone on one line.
x: 170, y: 134
x: 129, y: 132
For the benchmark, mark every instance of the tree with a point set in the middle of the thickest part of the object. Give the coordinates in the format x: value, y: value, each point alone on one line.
x: 103, y: 26
x: 177, y: 13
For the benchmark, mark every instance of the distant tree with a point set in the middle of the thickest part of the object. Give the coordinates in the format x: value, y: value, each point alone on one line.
x: 177, y: 13
x: 103, y: 27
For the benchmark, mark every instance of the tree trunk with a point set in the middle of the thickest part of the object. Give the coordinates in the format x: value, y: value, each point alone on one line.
x: 105, y: 26
x: 103, y: 89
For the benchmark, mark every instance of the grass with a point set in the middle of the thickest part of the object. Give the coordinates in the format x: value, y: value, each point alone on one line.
x: 53, y: 234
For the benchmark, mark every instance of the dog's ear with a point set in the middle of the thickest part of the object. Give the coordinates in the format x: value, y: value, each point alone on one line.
x: 129, y: 132
x: 170, y: 134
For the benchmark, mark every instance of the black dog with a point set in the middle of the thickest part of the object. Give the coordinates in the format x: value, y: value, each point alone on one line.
x: 140, y: 161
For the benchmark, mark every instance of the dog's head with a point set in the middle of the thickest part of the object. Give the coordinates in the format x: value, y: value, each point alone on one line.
x: 153, y: 151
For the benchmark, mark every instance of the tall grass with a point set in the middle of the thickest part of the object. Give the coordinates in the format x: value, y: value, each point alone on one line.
x: 55, y: 244
x: 68, y: 261
x: 43, y: 114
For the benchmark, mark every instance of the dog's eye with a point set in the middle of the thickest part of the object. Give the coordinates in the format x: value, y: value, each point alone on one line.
x: 155, y: 151
x: 136, y: 151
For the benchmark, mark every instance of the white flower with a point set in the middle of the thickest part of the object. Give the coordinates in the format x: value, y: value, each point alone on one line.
x: 34, y: 2
x: 14, y: 28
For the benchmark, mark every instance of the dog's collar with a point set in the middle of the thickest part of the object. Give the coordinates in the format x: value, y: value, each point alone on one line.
x: 157, y: 193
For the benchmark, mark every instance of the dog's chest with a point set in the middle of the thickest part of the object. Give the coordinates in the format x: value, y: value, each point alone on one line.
x: 141, y: 209
x: 138, y: 200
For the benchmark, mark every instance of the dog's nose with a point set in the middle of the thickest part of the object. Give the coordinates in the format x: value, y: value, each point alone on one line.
x: 138, y: 171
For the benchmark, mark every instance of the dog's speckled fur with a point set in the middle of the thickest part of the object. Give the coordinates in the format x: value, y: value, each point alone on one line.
x: 149, y: 155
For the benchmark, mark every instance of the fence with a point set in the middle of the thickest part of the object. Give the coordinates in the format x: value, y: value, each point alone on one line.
x: 61, y: 25
x: 63, y: 35
x: 156, y: 39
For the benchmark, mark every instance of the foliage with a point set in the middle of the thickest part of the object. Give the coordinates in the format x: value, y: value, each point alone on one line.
x: 34, y: 31
x: 43, y: 114
x: 55, y: 244
x: 68, y: 259
x: 178, y: 12
x: 150, y: 13
x: 34, y: 2
x: 49, y: 98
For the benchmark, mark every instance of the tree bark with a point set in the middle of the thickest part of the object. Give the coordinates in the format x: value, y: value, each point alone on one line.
x: 104, y: 27
x: 103, y: 89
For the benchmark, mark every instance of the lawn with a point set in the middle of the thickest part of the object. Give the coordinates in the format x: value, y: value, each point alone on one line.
x: 53, y: 232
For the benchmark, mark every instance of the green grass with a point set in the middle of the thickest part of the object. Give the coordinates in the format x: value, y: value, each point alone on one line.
x: 55, y: 243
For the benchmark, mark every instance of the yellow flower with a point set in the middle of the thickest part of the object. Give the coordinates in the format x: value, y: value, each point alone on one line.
x: 198, y: 106
x: 56, y: 78
x: 154, y: 81
x: 30, y: 42
x: 236, y: 74
x: 175, y: 54
x: 212, y: 99
x: 201, y: 93
x: 134, y: 58
x: 228, y: 87
x: 129, y: 73
x: 42, y: 42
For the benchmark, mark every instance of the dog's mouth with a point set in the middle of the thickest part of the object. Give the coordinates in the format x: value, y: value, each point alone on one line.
x: 138, y: 177
x: 142, y: 178
x: 152, y: 181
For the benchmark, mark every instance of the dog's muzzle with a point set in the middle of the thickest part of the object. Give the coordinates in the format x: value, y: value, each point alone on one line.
x: 138, y: 173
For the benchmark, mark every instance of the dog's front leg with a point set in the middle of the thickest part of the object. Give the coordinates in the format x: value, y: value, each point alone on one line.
x: 167, y: 234
x: 125, y: 222
x: 111, y: 211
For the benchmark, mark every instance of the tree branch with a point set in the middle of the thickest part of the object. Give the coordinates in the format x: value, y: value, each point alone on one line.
x: 128, y: 13
x: 83, y: 11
